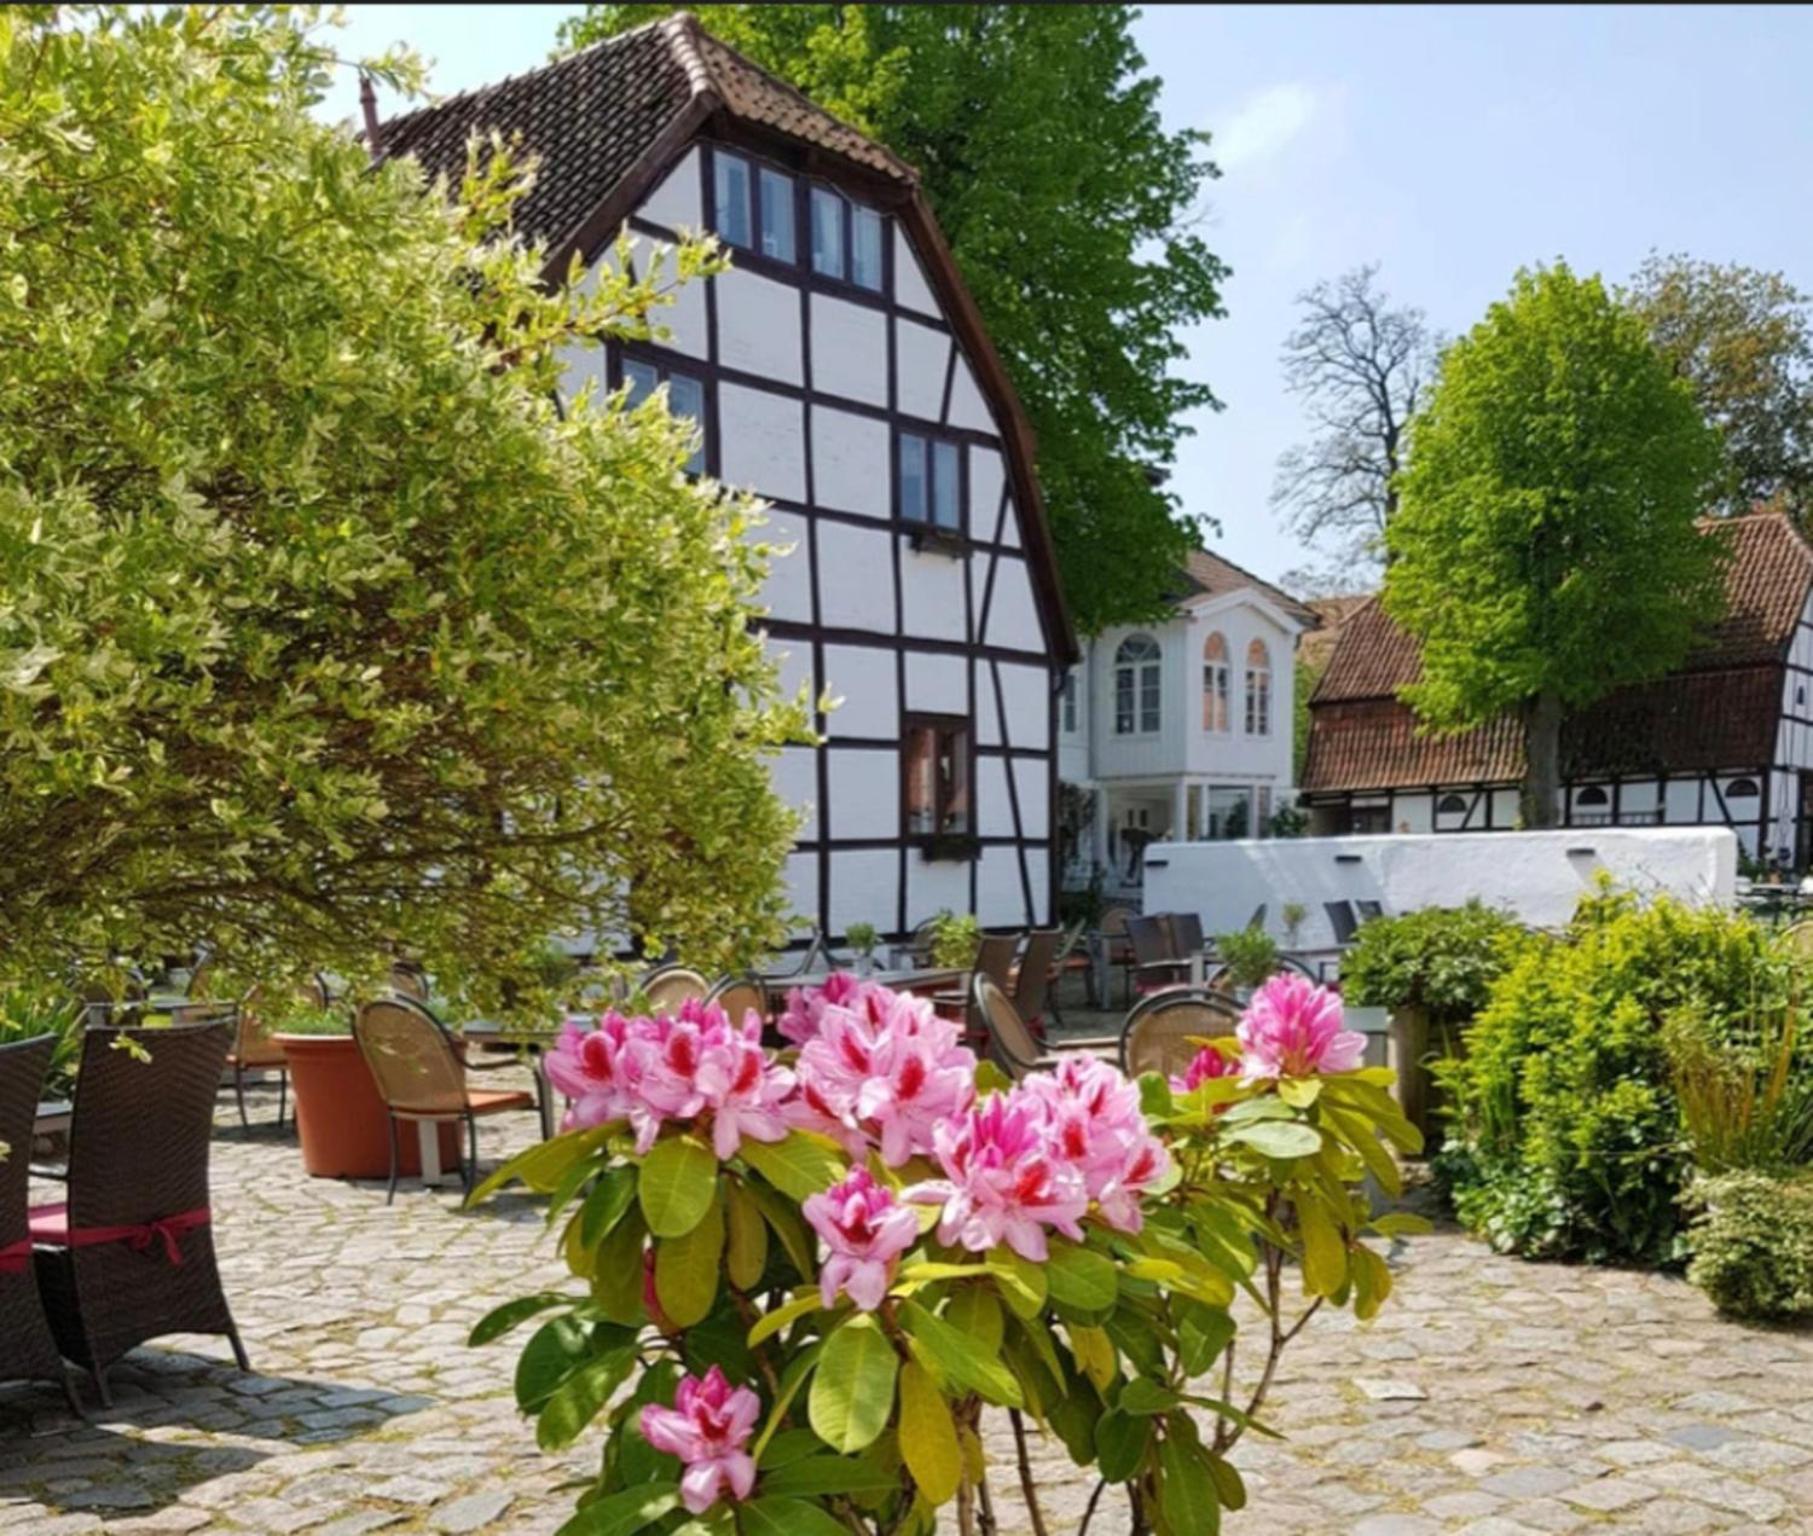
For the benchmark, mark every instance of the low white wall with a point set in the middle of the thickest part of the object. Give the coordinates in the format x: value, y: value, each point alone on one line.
x: 1537, y: 876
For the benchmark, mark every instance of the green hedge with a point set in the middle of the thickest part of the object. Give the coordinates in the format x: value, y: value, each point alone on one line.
x: 1752, y: 1240
x: 1566, y: 1137
x: 1442, y: 959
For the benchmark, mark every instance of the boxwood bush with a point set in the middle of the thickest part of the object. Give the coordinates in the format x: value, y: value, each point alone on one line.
x: 1441, y: 959
x: 1752, y: 1241
x: 1566, y: 1136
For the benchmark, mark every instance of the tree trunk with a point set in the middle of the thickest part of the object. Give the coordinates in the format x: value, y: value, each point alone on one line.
x: 1540, y: 803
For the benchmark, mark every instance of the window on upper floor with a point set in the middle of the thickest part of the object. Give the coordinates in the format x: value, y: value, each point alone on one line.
x: 1069, y: 696
x: 935, y: 775
x: 753, y: 206
x: 929, y: 488
x: 685, y: 397
x: 1215, y: 674
x: 846, y: 240
x: 1137, y: 687
x: 1258, y: 689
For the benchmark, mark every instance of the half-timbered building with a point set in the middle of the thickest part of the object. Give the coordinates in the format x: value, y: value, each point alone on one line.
x: 1726, y: 739
x: 841, y: 371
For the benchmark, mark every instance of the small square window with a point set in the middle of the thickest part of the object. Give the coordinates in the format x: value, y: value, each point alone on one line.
x: 734, y: 223
x: 777, y: 215
x: 865, y: 249
x: 827, y: 233
x: 913, y: 498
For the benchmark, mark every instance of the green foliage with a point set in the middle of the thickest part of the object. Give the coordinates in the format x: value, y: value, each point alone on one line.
x: 1752, y: 1242
x: 1069, y: 208
x: 955, y: 939
x: 331, y: 632
x: 1743, y: 340
x: 1441, y: 959
x: 861, y: 938
x: 1566, y: 1140
x: 28, y: 1010
x: 1291, y: 914
x: 1544, y: 550
x: 313, y: 1021
x: 1250, y: 954
x: 1305, y: 676
x: 1744, y: 1105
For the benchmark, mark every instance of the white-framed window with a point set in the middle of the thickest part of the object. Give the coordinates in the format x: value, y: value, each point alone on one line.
x: 929, y: 484
x: 685, y: 397
x: 1215, y: 676
x: 1258, y: 689
x: 1137, y: 687
x: 1069, y: 696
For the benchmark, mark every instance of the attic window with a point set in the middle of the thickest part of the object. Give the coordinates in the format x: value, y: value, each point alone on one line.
x: 1592, y: 795
x: 1741, y: 789
x: 846, y: 240
x: 753, y: 206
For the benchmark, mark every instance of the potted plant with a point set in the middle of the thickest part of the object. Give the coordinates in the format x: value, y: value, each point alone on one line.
x: 1292, y: 914
x: 1250, y: 955
x: 340, y: 1120
x: 861, y: 939
x: 955, y: 941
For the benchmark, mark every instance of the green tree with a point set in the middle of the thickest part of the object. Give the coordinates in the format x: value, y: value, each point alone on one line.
x: 1066, y: 203
x: 327, y: 629
x: 1743, y: 339
x: 1545, y: 548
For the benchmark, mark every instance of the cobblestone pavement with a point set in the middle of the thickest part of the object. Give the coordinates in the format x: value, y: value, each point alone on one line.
x: 1491, y: 1397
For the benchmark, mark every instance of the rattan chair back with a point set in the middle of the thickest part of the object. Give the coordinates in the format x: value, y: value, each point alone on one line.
x: 1186, y: 934
x: 1799, y: 938
x: 736, y: 995
x: 252, y: 1043
x: 1162, y: 1032
x: 995, y: 957
x: 27, y: 1350
x: 1151, y: 940
x: 670, y: 986
x: 1010, y: 1042
x: 411, y: 1057
x: 1034, y: 982
x: 409, y: 981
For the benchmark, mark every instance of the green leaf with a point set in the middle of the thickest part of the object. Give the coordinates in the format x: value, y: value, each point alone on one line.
x: 1402, y: 1224
x: 789, y: 1446
x: 687, y: 1268
x: 1203, y: 1332
x: 772, y: 1322
x: 1081, y: 1279
x: 1299, y: 1092
x: 1142, y: 1395
x: 928, y: 1436
x: 1186, y: 1491
x: 1021, y: 1282
x: 813, y: 1476
x: 554, y: 1350
x: 500, y: 1320
x: 579, y: 1398
x: 976, y: 1310
x: 1277, y: 1138
x: 678, y: 1180
x: 784, y: 1221
x: 1324, y: 1250
x: 788, y: 1517
x: 623, y: 1514
x: 611, y: 1196
x: 852, y: 1393
x: 953, y: 1357
x: 541, y: 1166
x: 1230, y: 1487
x: 1120, y: 1443
x: 617, y: 1273
x: 746, y: 1254
x: 799, y: 1166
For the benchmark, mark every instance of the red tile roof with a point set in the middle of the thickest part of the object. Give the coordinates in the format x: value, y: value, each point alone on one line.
x: 1718, y: 710
x: 1214, y: 575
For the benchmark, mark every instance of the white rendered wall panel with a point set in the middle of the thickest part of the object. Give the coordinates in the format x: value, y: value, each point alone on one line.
x: 864, y: 792
x: 968, y: 408
x: 855, y: 577
x: 1000, y: 898
x: 911, y: 290
x: 1032, y: 784
x: 1013, y: 615
x: 850, y: 456
x: 921, y: 356
x: 675, y: 203
x: 849, y: 350
x: 761, y: 442
x: 935, y: 885
x: 994, y: 811
x: 865, y: 888
x: 1026, y: 691
x: 865, y: 681
x: 795, y: 777
x: 1682, y: 800
x: 985, y: 475
x: 937, y: 683
x: 793, y: 660
x: 932, y: 597
x: 802, y: 886
x: 1038, y: 872
x: 788, y: 589
x: 759, y: 326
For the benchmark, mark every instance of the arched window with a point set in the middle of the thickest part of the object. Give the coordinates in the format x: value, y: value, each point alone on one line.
x: 1258, y: 689
x: 1215, y: 683
x: 1592, y: 797
x: 1451, y: 805
x: 1742, y: 789
x: 1136, y: 687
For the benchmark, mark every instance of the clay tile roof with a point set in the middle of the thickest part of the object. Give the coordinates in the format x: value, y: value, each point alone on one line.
x: 1719, y: 710
x: 1213, y: 574
x: 1332, y: 614
x: 591, y: 117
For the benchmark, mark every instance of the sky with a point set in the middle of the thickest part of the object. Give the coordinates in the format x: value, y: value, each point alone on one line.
x: 1450, y: 145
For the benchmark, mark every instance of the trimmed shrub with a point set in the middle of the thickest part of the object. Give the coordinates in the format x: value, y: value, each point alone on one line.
x: 1441, y: 959
x: 1565, y: 1139
x: 1752, y: 1242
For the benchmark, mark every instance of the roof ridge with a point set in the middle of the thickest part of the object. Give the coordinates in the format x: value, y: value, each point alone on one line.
x: 1257, y: 580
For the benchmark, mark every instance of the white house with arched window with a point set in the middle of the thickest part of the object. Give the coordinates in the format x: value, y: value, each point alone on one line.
x: 1180, y: 729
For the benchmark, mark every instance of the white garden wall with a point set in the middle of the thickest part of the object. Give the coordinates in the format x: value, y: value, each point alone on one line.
x: 1537, y: 876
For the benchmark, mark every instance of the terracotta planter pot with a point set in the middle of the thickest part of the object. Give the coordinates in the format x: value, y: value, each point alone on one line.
x: 340, y: 1118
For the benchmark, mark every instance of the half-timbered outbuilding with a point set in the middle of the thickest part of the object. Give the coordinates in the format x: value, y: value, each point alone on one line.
x: 840, y: 371
x: 1726, y: 739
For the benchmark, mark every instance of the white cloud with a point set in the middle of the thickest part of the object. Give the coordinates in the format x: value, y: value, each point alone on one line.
x: 1262, y: 126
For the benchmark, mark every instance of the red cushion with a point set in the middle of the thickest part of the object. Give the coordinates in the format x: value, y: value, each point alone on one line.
x: 49, y: 1223
x: 484, y: 1101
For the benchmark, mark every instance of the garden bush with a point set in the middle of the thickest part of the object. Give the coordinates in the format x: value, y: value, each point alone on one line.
x: 1752, y: 1241
x: 1565, y: 1139
x: 1441, y: 959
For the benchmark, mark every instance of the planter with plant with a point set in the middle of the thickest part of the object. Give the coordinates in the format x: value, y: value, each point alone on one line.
x: 1250, y: 956
x: 955, y: 940
x: 861, y: 938
x: 1291, y: 914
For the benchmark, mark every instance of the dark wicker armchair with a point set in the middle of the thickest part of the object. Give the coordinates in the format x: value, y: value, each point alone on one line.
x: 130, y: 1255
x: 28, y: 1352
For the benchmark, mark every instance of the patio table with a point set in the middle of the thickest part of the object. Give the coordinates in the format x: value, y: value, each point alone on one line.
x: 918, y: 979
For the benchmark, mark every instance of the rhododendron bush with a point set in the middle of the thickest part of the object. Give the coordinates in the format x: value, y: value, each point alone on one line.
x: 808, y: 1272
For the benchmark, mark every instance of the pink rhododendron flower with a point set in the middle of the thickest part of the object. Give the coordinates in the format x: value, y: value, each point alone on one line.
x: 1004, y: 1181
x: 695, y: 1066
x: 806, y: 1006
x: 1210, y: 1062
x: 1094, y: 1122
x: 884, y: 1071
x: 867, y: 1230
x: 1292, y: 1028
x: 707, y: 1428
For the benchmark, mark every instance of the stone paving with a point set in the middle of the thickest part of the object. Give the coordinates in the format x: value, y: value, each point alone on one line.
x: 1492, y: 1397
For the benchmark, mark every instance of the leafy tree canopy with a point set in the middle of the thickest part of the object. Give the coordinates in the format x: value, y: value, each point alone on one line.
x: 1065, y: 200
x: 1544, y: 550
x: 325, y: 629
x: 1743, y: 340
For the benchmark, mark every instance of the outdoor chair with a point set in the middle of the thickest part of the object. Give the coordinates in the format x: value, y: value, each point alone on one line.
x: 1156, y: 962
x: 28, y: 1351
x: 421, y: 1078
x: 1341, y: 918
x: 994, y: 959
x: 254, y: 1051
x: 1032, y: 980
x: 668, y: 986
x: 1011, y: 1045
x: 1186, y: 935
x: 1117, y: 948
x: 409, y: 981
x: 129, y: 1255
x: 919, y: 946
x: 1799, y: 938
x: 736, y: 995
x: 1162, y: 1033
x: 813, y: 954
x: 1072, y: 956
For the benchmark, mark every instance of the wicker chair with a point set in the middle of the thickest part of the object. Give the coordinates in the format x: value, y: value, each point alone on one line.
x: 420, y: 1077
x: 1186, y: 934
x: 1160, y: 1035
x: 736, y: 995
x: 668, y: 986
x: 409, y: 981
x: 1032, y: 981
x: 28, y: 1352
x: 994, y: 959
x: 1156, y: 962
x: 254, y: 1051
x: 130, y: 1255
x: 1798, y: 937
x: 1011, y: 1045
x: 1072, y: 957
